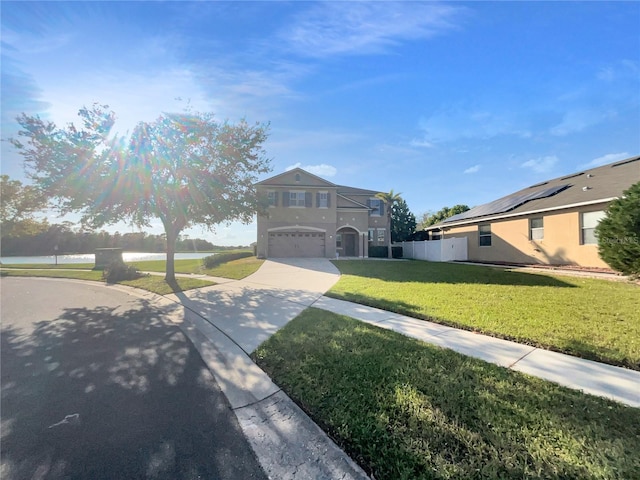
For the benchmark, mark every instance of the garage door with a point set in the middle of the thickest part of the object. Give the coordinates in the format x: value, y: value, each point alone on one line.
x: 296, y: 244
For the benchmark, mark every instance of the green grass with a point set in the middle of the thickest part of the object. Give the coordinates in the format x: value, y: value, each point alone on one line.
x: 594, y: 319
x: 407, y: 410
x: 152, y: 283
x: 236, y: 269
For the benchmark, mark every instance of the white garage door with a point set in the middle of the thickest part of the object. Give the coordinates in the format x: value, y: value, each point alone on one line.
x: 296, y: 244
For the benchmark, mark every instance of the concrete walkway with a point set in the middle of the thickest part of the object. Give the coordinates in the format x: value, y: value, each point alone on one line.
x: 620, y: 384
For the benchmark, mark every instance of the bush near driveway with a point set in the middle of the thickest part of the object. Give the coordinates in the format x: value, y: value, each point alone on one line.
x: 407, y: 410
x: 594, y: 319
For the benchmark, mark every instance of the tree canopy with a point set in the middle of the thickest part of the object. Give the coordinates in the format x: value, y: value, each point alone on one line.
x: 619, y: 233
x: 182, y: 169
x: 403, y: 222
x: 18, y: 204
x: 429, y: 219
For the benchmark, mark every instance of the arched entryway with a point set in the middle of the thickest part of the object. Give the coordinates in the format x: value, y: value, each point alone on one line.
x: 348, y: 242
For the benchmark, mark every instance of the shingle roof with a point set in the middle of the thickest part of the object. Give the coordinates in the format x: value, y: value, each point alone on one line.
x: 596, y: 185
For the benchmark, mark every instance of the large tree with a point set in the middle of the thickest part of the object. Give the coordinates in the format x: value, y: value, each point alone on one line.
x: 390, y: 199
x: 619, y: 233
x: 182, y: 169
x: 429, y: 219
x: 403, y: 222
x: 18, y: 205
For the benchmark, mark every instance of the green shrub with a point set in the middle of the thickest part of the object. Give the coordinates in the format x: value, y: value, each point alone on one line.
x: 380, y: 251
x: 118, y: 271
x: 214, y: 260
x: 619, y: 233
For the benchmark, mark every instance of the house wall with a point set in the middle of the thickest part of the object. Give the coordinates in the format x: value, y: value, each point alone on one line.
x: 298, y: 218
x: 510, y: 241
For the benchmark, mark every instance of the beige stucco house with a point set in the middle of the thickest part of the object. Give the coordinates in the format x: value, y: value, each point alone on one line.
x: 308, y: 216
x: 550, y: 222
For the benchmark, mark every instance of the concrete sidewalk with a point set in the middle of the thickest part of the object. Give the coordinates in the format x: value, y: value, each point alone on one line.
x: 620, y: 384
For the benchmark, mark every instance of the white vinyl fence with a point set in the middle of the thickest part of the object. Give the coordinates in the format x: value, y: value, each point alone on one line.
x: 447, y: 250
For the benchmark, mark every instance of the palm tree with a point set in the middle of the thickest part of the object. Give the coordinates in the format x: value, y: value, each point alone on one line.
x: 390, y: 199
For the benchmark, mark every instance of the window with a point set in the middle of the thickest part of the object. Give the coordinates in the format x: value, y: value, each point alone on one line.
x: 376, y: 207
x: 338, y: 240
x: 372, y: 234
x: 273, y: 199
x: 296, y: 199
x: 381, y: 235
x: 323, y: 200
x: 536, y: 228
x: 484, y: 235
x: 588, y: 222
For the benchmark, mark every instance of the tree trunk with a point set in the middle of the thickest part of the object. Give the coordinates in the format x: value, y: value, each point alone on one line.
x: 172, y: 237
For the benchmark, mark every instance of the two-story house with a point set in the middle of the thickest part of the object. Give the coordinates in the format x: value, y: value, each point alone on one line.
x: 308, y: 216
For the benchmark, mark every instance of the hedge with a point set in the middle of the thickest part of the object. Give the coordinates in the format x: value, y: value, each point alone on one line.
x: 214, y: 260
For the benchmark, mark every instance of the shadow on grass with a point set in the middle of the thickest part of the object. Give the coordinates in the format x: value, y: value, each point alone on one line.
x: 147, y: 406
x: 406, y: 410
x: 435, y: 272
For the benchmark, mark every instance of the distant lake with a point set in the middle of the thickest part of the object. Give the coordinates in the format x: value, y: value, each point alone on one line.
x: 90, y: 258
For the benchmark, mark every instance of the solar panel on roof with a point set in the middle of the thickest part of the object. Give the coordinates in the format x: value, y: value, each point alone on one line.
x: 505, y: 204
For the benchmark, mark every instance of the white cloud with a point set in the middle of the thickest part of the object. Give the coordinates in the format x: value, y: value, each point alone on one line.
x: 322, y: 170
x: 344, y: 28
x: 465, y: 121
x: 579, y: 119
x: 541, y: 164
x: 608, y: 158
x: 473, y: 169
x: 421, y: 143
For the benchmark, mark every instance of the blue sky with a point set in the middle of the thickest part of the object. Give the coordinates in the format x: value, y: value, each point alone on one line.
x: 446, y: 103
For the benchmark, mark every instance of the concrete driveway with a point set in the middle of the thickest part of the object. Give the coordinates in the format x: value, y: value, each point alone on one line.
x: 251, y: 310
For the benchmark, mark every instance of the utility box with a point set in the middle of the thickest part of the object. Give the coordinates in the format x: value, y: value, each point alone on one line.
x: 104, y: 256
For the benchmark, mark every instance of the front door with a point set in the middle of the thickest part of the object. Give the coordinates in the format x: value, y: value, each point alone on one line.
x: 349, y: 244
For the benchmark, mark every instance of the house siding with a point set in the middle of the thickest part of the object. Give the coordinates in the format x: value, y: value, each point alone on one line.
x: 510, y: 240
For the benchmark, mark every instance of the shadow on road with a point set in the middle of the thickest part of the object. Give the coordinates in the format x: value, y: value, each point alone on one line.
x: 137, y: 399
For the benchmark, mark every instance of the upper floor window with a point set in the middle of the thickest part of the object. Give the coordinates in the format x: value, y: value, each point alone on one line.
x: 322, y: 200
x: 484, y: 235
x: 376, y: 206
x: 296, y: 199
x: 273, y: 199
x: 588, y: 223
x: 536, y: 228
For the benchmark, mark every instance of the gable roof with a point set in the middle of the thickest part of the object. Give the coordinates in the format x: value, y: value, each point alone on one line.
x: 281, y: 180
x: 593, y: 186
x: 353, y: 202
x: 278, y: 180
x: 344, y: 190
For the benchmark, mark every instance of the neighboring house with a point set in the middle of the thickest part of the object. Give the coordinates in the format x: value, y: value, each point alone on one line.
x: 308, y: 216
x: 551, y: 222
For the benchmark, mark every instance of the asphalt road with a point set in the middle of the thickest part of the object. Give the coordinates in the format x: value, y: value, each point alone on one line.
x: 95, y: 385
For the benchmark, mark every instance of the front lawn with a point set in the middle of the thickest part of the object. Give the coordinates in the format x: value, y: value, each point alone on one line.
x: 404, y: 409
x: 594, y: 319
